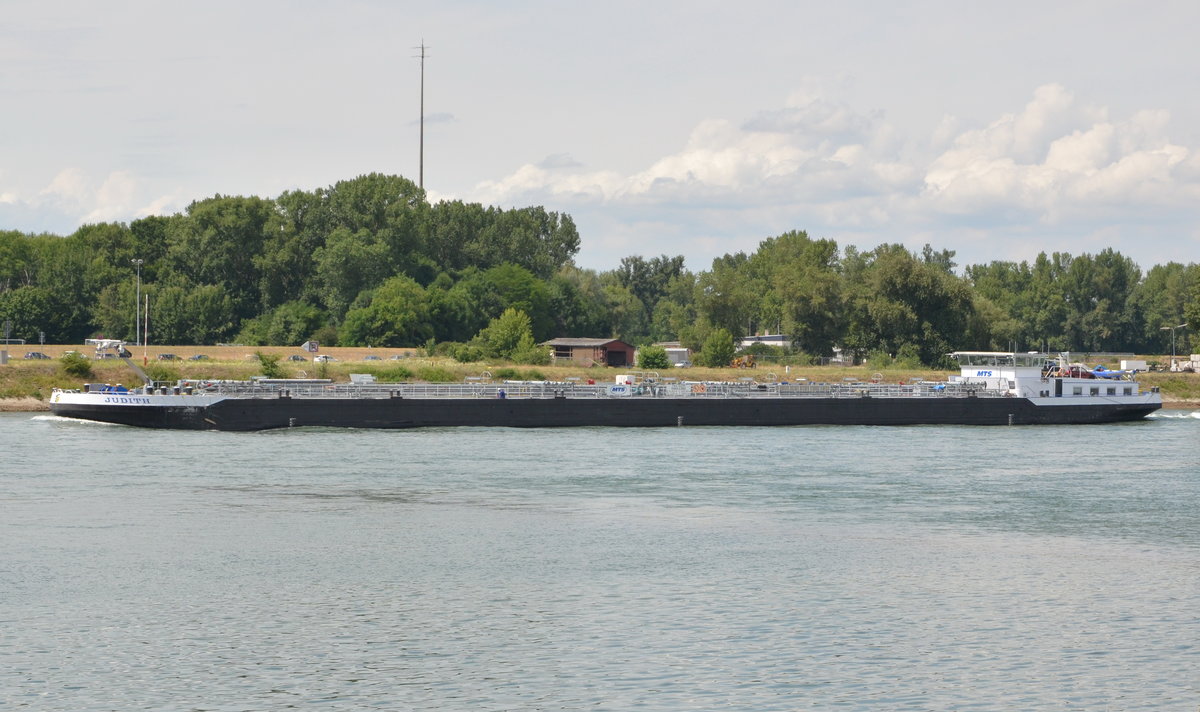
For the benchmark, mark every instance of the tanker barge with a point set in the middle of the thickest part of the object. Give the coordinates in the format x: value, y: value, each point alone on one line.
x: 993, y: 388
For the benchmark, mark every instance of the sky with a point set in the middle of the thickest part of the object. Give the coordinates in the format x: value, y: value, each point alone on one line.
x: 697, y: 128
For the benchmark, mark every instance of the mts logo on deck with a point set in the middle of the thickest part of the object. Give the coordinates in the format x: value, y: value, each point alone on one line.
x: 985, y: 374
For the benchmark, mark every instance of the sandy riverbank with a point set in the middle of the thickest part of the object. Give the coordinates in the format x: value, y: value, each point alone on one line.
x: 21, y: 405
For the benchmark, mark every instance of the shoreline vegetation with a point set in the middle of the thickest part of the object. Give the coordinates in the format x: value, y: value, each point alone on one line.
x: 25, y: 386
x: 371, y: 261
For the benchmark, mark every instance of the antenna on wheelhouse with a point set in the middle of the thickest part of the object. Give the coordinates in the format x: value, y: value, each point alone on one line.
x: 421, y: 158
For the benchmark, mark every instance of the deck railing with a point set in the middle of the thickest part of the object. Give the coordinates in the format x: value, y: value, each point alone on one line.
x: 550, y: 389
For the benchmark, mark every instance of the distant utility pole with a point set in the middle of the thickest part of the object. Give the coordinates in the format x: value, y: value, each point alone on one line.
x: 137, y: 302
x: 421, y: 166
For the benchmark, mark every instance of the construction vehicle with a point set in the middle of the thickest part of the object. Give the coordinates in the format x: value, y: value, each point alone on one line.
x: 744, y: 361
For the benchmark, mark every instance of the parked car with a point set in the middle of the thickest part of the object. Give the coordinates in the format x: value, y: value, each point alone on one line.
x: 36, y: 355
x: 324, y: 358
x: 398, y: 357
x: 198, y: 357
x: 168, y: 357
x: 297, y: 357
x: 371, y: 357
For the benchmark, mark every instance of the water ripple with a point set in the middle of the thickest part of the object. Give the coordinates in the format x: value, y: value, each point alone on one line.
x: 664, y: 569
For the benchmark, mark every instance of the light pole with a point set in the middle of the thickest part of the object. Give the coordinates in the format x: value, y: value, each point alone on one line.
x: 1172, y: 330
x: 137, y: 304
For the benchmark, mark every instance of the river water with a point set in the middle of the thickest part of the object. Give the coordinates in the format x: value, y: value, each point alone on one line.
x: 907, y: 568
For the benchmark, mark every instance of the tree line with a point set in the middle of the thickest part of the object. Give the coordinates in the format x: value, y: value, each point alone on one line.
x: 370, y: 261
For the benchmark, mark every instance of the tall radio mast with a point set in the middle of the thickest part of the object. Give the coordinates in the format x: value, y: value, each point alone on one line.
x: 421, y: 164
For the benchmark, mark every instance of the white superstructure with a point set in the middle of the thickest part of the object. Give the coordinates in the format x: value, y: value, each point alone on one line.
x: 1047, y: 379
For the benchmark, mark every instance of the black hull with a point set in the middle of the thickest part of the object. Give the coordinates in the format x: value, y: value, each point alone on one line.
x: 268, y: 413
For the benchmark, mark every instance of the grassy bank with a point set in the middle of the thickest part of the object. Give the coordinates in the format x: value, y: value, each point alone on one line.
x: 25, y: 385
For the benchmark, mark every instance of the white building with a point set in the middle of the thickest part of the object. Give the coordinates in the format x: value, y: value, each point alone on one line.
x: 779, y: 340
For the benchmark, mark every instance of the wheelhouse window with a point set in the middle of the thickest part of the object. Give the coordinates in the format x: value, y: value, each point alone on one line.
x: 984, y: 359
x: 994, y: 360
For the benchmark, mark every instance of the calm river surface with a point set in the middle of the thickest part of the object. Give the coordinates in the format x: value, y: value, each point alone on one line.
x: 912, y: 568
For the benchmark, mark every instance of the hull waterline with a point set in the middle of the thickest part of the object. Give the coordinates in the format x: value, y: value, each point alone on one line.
x: 393, y: 413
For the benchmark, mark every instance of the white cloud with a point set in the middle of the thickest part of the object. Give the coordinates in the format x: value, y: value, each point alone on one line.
x: 719, y: 155
x: 817, y: 165
x: 1058, y: 158
x: 73, y: 197
x: 114, y: 199
x: 162, y: 205
x: 811, y: 115
x: 69, y: 189
x: 759, y: 162
x: 1083, y: 151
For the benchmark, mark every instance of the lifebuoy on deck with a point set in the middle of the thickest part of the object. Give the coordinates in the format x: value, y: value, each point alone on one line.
x: 699, y: 388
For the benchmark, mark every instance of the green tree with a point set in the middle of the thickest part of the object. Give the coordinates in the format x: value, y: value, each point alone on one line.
x: 62, y: 265
x: 1161, y: 299
x: 326, y: 248
x: 150, y: 240
x: 939, y: 259
x: 395, y: 314
x: 293, y: 323
x: 219, y: 242
x: 212, y: 311
x: 728, y: 297
x: 1002, y: 294
x: 288, y: 324
x: 452, y: 226
x: 202, y: 314
x: 287, y: 265
x: 900, y: 300
x: 629, y: 319
x: 507, y: 334
x: 718, y: 350
x: 270, y: 365
x: 540, y: 241
x: 512, y: 286
x: 31, y: 310
x: 479, y: 296
x: 653, y: 357
x: 113, y: 313
x: 76, y: 365
x: 17, y: 266
x: 1049, y: 305
x: 804, y: 291
x: 1097, y: 291
x: 350, y: 263
x: 578, y: 304
x: 648, y: 280
x: 169, y: 318
x: 1191, y: 307
x: 387, y: 211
